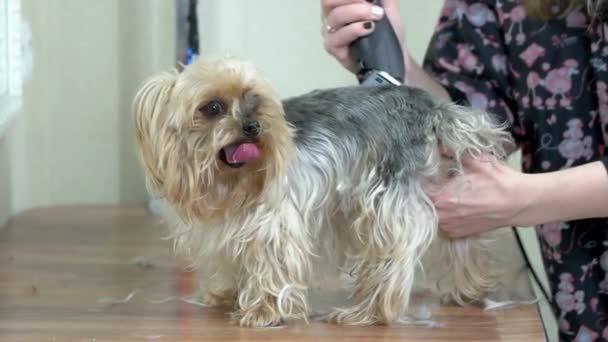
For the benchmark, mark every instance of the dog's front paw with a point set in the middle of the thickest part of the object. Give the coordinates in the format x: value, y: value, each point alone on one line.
x: 257, y: 317
x: 353, y: 316
x: 220, y: 298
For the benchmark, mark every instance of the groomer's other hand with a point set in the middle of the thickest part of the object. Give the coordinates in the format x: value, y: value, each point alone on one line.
x: 490, y: 195
x: 343, y: 21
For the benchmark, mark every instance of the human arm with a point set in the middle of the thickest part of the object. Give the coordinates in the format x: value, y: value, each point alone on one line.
x: 493, y: 195
x: 349, y: 19
x: 576, y: 193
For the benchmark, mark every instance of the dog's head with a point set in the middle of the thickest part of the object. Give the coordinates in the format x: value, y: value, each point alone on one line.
x: 212, y: 137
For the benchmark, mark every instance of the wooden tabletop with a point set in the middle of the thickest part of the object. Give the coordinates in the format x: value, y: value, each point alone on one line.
x: 104, y: 274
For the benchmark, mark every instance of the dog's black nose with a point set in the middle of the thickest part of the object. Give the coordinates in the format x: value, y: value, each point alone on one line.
x: 251, y: 129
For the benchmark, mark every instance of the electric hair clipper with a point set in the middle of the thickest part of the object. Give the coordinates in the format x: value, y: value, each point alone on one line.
x: 379, y: 55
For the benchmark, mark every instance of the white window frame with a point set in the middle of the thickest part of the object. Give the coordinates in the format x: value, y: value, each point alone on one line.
x: 15, y: 60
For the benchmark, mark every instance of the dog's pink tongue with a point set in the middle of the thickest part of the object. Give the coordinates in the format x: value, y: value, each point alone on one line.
x: 241, y: 153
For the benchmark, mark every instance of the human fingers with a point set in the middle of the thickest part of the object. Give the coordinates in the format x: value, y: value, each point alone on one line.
x: 337, y: 43
x: 391, y: 7
x: 328, y: 5
x: 455, y: 232
x: 352, y: 13
x: 480, y: 162
x: 456, y: 225
x: 448, y: 224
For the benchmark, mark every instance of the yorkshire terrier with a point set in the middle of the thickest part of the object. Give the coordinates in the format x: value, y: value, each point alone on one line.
x: 256, y: 185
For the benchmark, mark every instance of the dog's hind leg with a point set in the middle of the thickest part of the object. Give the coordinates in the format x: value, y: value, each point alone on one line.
x: 470, y: 275
x: 468, y: 133
x: 392, y: 229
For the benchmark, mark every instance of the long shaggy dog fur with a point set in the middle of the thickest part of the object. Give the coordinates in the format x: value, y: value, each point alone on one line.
x: 354, y: 164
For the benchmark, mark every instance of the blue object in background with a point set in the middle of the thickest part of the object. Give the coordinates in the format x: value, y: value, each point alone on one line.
x: 191, y: 56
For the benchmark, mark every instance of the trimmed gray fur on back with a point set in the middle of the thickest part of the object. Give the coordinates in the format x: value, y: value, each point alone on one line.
x: 395, y: 122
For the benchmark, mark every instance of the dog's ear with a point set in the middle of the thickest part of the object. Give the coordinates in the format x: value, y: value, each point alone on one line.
x: 150, y: 115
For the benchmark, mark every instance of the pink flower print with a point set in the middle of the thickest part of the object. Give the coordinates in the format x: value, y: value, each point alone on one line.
x: 488, y: 40
x: 441, y: 40
x: 565, y: 283
x: 533, y: 80
x: 571, y: 63
x: 479, y: 14
x: 500, y: 13
x: 449, y: 7
x: 574, y: 130
x: 605, y: 333
x: 593, y: 114
x: 452, y: 67
x: 587, y: 143
x: 467, y: 60
x: 565, y: 301
x: 454, y: 10
x: 579, y: 298
x: 604, y: 266
x: 576, y: 19
x: 559, y: 82
x: 476, y: 99
x: 564, y: 326
x: 517, y: 15
x: 575, y: 145
x: 586, y: 335
x: 602, y: 95
x: 602, y: 91
x: 572, y: 150
x: 603, y: 286
x: 563, y: 40
x: 463, y: 87
x: 593, y: 304
x: 531, y: 54
x: 604, y: 261
x: 499, y: 62
x: 587, y: 269
x: 551, y: 234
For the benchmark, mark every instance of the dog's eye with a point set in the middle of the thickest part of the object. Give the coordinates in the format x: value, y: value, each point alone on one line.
x: 212, y: 108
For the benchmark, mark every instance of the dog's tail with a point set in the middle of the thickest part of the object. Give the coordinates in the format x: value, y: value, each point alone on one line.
x: 464, y: 132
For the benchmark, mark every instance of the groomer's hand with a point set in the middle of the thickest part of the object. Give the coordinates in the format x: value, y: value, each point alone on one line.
x: 343, y: 21
x: 490, y: 195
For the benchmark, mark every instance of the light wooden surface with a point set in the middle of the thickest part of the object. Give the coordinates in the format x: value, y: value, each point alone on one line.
x: 61, y: 265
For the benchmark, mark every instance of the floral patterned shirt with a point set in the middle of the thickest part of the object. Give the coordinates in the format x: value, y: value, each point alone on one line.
x: 549, y: 81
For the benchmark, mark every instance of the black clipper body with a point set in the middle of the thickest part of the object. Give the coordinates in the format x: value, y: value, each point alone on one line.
x: 379, y: 55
